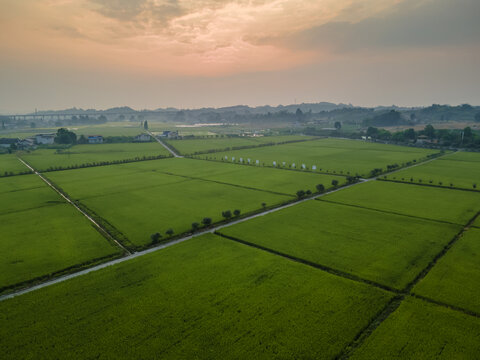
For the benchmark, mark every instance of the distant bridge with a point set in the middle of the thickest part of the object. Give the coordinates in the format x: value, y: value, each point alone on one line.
x: 65, y: 115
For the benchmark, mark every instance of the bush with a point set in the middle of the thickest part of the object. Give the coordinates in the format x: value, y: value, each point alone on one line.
x: 300, y: 194
x: 227, y: 214
x: 155, y: 238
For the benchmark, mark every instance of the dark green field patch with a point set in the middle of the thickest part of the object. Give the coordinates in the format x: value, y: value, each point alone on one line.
x: 207, y: 298
x: 10, y: 165
x: 385, y: 248
x: 47, y: 159
x: 140, y: 203
x: 48, y: 239
x: 458, y: 170
x: 420, y: 330
x: 24, y: 193
x: 421, y: 201
x: 347, y: 157
x: 191, y: 146
x: 455, y: 278
x: 262, y: 178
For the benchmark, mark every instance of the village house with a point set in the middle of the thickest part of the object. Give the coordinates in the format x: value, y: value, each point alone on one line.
x: 142, y: 138
x: 44, y: 139
x: 169, y: 134
x: 7, y: 142
x: 95, y: 139
x: 423, y: 139
x: 28, y: 143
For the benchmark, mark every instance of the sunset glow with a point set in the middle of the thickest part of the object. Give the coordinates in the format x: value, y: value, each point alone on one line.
x: 165, y: 39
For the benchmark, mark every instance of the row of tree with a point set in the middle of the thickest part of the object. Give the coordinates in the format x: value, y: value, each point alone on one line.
x: 465, y: 137
x: 206, y: 221
x: 103, y: 163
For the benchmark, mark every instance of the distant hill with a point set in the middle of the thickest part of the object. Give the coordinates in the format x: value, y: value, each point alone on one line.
x: 380, y: 116
x: 390, y: 118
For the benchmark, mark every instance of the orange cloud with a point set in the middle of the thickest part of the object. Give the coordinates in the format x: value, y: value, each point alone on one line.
x: 170, y: 37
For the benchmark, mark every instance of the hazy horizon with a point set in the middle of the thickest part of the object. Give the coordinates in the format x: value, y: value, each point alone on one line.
x: 149, y: 54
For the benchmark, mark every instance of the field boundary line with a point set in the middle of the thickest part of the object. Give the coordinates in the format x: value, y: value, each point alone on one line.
x: 270, y: 167
x: 66, y: 198
x: 100, y: 266
x: 226, y: 183
x: 165, y: 145
x: 374, y: 323
x: 407, y: 291
x: 33, y: 208
x: 429, y: 185
x: 148, y: 187
x: 389, y: 212
x: 441, y: 254
x: 248, y: 147
x: 86, y: 166
x: 38, y: 280
x: 324, y: 268
x: 446, y: 305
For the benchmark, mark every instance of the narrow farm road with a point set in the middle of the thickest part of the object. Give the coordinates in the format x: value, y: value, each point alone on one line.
x: 98, y: 226
x: 165, y: 145
x: 171, y: 243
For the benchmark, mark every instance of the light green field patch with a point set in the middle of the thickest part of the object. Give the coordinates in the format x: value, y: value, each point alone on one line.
x: 140, y: 213
x: 140, y: 203
x: 110, y: 129
x: 459, y: 170
x: 268, y: 179
x: 347, y: 157
x: 25, y: 133
x: 422, y: 201
x: 191, y: 146
x: 207, y: 298
x: 45, y: 159
x: 115, y: 179
x: 420, y: 330
x: 40, y: 241
x: 455, y: 278
x: 9, y: 164
x: 476, y: 223
x: 27, y: 182
x: 25, y: 192
x: 386, y: 248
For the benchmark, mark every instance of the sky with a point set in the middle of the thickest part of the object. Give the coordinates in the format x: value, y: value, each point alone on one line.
x: 147, y: 54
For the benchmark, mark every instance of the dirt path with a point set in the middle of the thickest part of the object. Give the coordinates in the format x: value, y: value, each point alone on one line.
x: 165, y: 146
x: 98, y: 226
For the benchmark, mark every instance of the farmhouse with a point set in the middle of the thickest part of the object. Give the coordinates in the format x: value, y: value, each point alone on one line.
x: 7, y: 142
x: 44, y: 139
x: 169, y: 134
x: 423, y: 139
x: 95, y: 139
x: 251, y: 134
x: 26, y: 143
x: 142, y: 138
